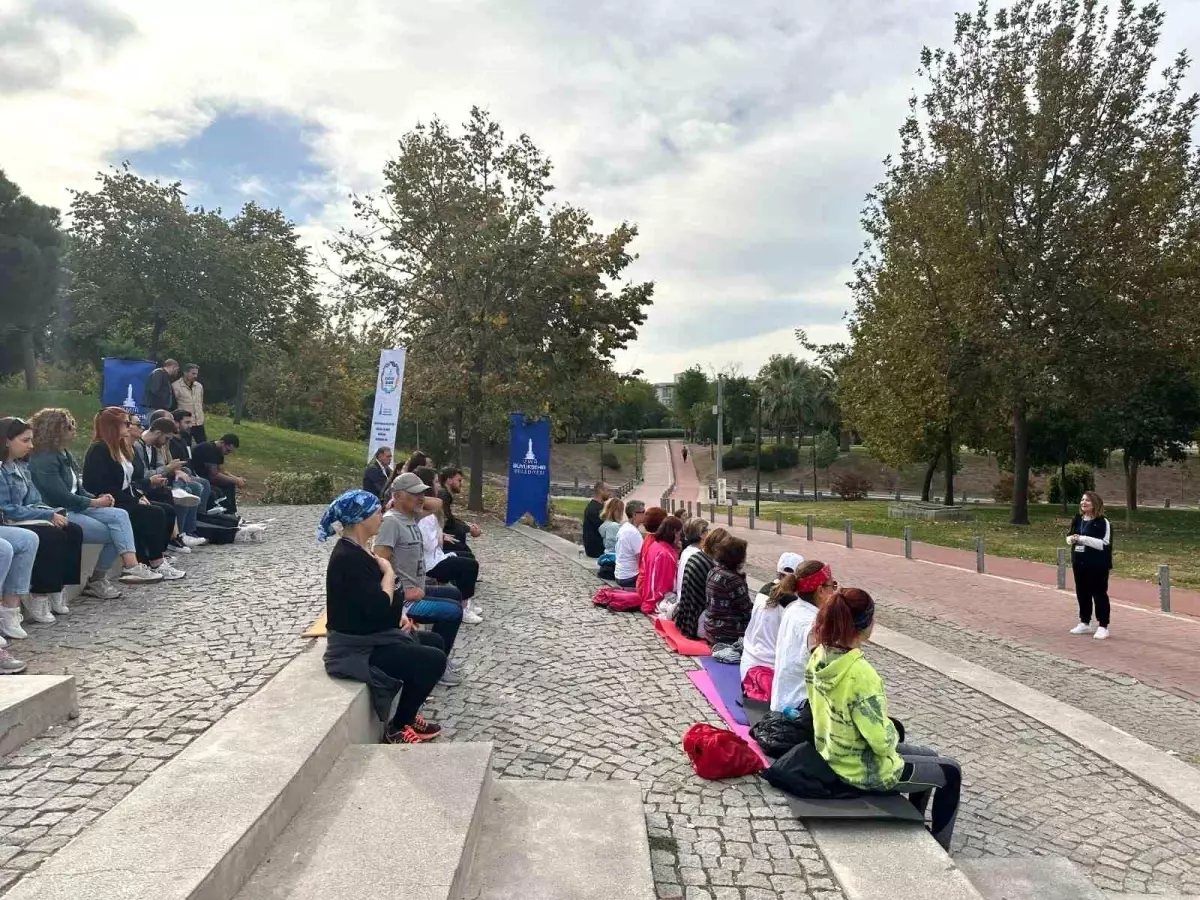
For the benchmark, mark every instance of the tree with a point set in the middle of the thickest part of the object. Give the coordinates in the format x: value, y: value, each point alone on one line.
x: 30, y: 245
x: 637, y: 406
x: 463, y: 258
x: 740, y: 395
x: 692, y: 390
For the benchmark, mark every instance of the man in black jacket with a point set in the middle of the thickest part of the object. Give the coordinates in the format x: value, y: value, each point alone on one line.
x: 593, y: 543
x: 159, y: 393
x: 208, y: 461
x: 375, y: 478
x: 455, y: 530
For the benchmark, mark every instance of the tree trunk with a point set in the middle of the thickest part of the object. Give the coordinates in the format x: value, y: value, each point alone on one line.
x: 29, y: 360
x: 930, y: 470
x: 948, y: 452
x: 239, y: 401
x: 844, y: 439
x: 1131, y: 487
x: 1020, y: 500
x: 456, y: 449
x: 475, y: 404
x: 1062, y: 483
x: 156, y: 338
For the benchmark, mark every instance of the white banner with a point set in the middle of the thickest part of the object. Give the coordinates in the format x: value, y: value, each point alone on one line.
x: 388, y: 387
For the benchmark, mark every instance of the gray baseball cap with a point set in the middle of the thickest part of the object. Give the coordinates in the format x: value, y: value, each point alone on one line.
x: 409, y: 483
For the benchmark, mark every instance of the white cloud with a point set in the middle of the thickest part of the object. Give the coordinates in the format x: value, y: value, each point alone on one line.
x: 740, y: 137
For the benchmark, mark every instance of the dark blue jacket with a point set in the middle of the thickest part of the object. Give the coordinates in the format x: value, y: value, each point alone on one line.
x: 1095, y: 550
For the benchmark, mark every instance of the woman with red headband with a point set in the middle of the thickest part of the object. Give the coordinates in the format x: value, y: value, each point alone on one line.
x: 814, y: 585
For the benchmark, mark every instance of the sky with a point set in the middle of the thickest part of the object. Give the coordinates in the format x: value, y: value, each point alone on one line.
x: 741, y: 137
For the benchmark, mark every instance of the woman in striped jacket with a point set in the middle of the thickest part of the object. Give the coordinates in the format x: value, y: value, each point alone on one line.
x: 692, y: 591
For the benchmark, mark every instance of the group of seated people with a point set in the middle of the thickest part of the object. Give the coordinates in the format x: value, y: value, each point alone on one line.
x: 797, y: 641
x: 402, y: 560
x: 140, y: 495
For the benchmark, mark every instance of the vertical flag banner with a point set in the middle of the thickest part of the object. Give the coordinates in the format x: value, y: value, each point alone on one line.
x: 124, y: 384
x: 386, y: 415
x: 528, y: 469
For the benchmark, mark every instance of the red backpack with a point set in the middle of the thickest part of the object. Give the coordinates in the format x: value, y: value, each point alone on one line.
x: 716, y: 753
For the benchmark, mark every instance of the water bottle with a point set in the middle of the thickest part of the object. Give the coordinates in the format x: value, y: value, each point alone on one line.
x: 790, y: 712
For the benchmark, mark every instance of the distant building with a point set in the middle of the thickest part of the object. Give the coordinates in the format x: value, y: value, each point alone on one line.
x: 665, y: 392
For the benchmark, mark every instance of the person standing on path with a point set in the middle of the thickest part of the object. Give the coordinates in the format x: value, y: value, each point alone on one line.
x: 189, y: 395
x: 159, y: 393
x: 684, y: 451
x: 1090, y: 539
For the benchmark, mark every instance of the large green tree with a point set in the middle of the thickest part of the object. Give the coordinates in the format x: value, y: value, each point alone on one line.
x: 692, y: 392
x: 30, y: 247
x: 466, y: 260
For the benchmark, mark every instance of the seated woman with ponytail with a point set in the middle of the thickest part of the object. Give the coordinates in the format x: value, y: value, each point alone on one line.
x: 851, y: 728
x: 758, y: 645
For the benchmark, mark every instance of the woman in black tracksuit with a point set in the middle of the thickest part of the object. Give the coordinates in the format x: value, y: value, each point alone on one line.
x: 1090, y: 539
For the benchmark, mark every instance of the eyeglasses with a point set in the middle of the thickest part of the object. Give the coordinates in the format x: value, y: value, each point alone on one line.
x: 831, y: 584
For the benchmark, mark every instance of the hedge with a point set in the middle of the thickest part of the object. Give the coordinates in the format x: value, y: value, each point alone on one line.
x: 298, y: 488
x: 1079, y: 479
x: 662, y: 433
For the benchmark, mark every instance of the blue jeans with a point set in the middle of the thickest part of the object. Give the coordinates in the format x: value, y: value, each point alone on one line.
x: 441, y: 608
x: 109, y: 526
x: 18, y: 548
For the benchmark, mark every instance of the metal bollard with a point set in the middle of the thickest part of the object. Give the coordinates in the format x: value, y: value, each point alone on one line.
x: 897, y: 496
x: 689, y: 508
x: 729, y: 515
x: 980, y: 560
x: 1167, y: 503
x: 1164, y: 588
x: 712, y: 517
x: 849, y: 534
x: 808, y: 527
x: 1062, y: 569
x: 751, y: 518
x: 908, y: 542
x: 778, y: 522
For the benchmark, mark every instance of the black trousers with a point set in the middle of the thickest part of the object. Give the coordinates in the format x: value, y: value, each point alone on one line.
x: 58, y: 559
x: 226, y: 495
x: 152, y: 526
x: 1091, y: 589
x: 460, y: 571
x: 420, y: 666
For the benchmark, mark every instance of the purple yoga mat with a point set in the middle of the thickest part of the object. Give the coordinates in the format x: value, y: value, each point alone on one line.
x: 727, y: 679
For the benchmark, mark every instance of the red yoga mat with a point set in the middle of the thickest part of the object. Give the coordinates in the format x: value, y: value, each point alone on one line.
x: 677, y: 642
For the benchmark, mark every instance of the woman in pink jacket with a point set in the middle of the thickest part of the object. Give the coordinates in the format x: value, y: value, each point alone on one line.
x: 660, y: 564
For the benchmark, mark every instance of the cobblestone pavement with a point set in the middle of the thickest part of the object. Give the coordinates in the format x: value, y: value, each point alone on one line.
x: 153, y: 670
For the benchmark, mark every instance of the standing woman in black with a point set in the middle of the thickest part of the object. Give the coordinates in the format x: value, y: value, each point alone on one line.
x: 1090, y: 540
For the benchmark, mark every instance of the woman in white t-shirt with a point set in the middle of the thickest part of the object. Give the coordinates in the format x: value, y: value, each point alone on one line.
x: 758, y: 644
x: 815, y: 584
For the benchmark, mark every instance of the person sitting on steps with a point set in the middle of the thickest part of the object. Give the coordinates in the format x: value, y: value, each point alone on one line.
x: 208, y: 461
x: 165, y: 480
x: 694, y: 531
x: 629, y: 545
x: 456, y: 530
x: 815, y: 584
x: 18, y: 551
x: 661, y: 562
x: 727, y: 601
x: 610, y: 530
x: 369, y: 638
x: 401, y: 543
x: 852, y: 731
x: 460, y: 571
x: 593, y: 518
x: 758, y: 645
x: 693, y: 593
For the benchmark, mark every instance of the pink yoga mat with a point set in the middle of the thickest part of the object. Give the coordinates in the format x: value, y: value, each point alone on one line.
x: 703, y: 682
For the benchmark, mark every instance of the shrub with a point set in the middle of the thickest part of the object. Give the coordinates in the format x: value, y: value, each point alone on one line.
x: 849, y: 485
x: 1079, y: 478
x: 620, y: 440
x: 1002, y: 490
x: 737, y: 458
x: 662, y: 433
x: 611, y: 461
x: 827, y: 450
x: 769, y: 460
x: 787, y: 456
x: 299, y: 488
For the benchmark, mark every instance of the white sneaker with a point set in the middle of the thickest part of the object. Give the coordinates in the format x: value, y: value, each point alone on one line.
x: 1083, y: 628
x: 58, y: 604
x: 9, y: 665
x: 38, y: 607
x: 190, y: 541
x: 472, y: 618
x: 169, y: 572
x: 1101, y: 634
x: 10, y: 623
x: 178, y: 548
x: 474, y: 607
x: 140, y: 574
x: 101, y: 589
x: 183, y: 498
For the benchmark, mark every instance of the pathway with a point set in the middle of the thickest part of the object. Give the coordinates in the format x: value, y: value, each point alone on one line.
x: 656, y: 473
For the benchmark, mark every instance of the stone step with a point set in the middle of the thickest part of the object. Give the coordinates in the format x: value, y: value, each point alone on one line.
x: 1029, y: 878
x: 29, y: 704
x: 386, y: 822
x: 543, y: 840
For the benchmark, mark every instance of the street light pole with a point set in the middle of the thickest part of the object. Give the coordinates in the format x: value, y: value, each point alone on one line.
x: 720, y: 411
x: 758, y: 462
x: 601, y: 459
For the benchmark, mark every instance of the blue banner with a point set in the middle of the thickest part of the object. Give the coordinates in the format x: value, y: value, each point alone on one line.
x: 528, y: 469
x: 124, y: 384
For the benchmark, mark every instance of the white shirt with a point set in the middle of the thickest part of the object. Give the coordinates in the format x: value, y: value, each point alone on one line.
x: 791, y: 655
x: 688, y: 553
x: 127, y: 468
x: 629, y: 544
x: 431, y: 533
x: 758, y: 644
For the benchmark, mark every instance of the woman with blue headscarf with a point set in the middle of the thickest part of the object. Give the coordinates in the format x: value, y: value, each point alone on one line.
x: 370, y: 639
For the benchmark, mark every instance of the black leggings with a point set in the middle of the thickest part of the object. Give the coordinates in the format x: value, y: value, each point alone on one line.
x: 1091, y: 588
x: 460, y: 571
x: 420, y: 666
x: 58, y: 557
x: 152, y: 526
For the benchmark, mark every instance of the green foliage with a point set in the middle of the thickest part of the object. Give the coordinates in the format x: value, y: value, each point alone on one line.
x: 658, y: 433
x: 694, y: 397
x: 1079, y: 478
x: 611, y: 460
x: 1002, y: 490
x: 850, y: 485
x: 827, y: 450
x: 737, y: 458
x: 299, y: 488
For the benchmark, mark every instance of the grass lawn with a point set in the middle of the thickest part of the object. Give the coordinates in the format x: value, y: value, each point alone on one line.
x: 570, y: 506
x: 1154, y: 537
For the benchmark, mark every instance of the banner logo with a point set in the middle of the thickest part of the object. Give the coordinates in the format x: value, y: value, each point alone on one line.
x: 389, y: 377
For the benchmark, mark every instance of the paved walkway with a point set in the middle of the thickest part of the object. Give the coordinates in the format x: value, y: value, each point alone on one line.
x: 656, y: 473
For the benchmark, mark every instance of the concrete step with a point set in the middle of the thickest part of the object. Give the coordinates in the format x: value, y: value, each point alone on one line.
x: 29, y: 704
x: 386, y: 822
x: 546, y: 840
x: 1029, y: 878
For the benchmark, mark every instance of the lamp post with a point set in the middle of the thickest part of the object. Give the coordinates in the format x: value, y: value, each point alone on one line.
x: 719, y: 412
x: 601, y: 458
x: 758, y: 461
